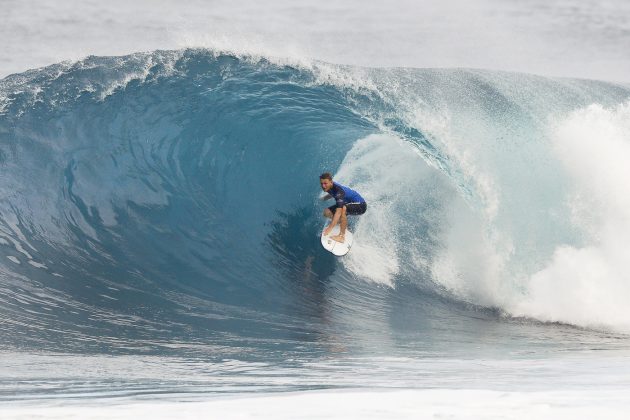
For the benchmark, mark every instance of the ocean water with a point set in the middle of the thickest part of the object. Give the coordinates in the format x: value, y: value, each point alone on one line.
x: 159, y: 212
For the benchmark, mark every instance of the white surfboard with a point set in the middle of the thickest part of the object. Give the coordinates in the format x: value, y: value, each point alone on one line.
x: 337, y: 248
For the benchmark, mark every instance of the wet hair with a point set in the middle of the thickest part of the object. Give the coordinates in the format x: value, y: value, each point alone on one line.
x: 326, y: 175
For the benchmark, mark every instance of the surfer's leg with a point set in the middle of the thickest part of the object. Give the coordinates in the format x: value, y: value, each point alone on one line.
x: 343, y: 224
x: 329, y: 212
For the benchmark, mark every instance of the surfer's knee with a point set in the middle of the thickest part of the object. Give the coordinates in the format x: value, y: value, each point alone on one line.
x: 328, y: 213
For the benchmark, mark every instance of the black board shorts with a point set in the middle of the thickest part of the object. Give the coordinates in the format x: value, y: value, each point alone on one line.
x: 351, y: 208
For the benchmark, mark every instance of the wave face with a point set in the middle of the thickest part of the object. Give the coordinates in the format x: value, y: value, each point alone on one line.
x: 168, y: 200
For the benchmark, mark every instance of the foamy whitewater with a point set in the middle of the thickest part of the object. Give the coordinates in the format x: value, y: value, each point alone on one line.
x: 160, y: 213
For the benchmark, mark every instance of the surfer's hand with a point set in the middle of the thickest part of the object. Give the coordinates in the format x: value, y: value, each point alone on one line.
x: 327, y: 231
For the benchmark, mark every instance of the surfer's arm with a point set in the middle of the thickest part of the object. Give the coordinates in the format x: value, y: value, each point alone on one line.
x: 325, y: 197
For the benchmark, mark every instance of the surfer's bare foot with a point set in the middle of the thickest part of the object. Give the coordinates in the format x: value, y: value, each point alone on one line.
x: 339, y: 238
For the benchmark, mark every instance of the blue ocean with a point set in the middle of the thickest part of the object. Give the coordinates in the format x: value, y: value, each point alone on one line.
x: 160, y: 222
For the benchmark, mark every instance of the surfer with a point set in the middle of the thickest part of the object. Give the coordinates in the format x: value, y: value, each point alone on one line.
x: 347, y: 201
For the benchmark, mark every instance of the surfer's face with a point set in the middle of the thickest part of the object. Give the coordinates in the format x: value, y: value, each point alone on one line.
x: 326, y: 184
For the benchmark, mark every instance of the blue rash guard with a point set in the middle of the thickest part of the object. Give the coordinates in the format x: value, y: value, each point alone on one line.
x: 344, y: 195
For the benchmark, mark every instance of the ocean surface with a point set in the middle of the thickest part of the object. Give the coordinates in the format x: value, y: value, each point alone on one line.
x: 160, y: 212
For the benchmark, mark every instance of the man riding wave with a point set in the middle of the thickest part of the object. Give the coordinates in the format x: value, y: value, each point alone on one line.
x: 347, y: 201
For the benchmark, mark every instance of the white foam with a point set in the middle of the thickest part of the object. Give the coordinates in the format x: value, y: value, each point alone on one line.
x: 587, y: 284
x: 36, y: 264
x: 468, y: 263
x: 355, y: 404
x: 14, y: 259
x: 590, y: 285
x: 394, y: 180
